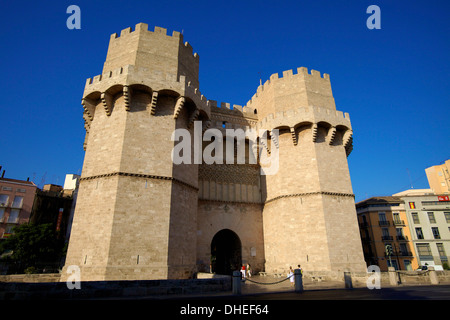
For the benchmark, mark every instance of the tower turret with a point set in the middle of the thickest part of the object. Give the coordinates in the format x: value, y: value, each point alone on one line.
x: 309, y: 211
x: 136, y: 212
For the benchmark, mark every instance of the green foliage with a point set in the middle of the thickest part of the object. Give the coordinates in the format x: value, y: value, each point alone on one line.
x: 32, y: 245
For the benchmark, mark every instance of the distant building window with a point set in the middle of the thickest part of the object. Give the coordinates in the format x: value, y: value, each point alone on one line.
x: 435, y: 231
x: 397, y: 217
x: 419, y: 233
x: 447, y: 216
x: 4, y: 200
x: 7, y: 188
x: 18, y: 201
x: 431, y: 217
x: 13, y: 216
x: 2, y: 214
x: 415, y: 217
x: 435, y: 203
x: 424, y: 251
x: 441, y: 250
x: 21, y: 190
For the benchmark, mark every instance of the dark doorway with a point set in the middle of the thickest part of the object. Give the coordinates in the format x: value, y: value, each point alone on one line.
x: 226, y: 252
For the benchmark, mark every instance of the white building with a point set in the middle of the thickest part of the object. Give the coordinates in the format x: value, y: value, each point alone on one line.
x: 428, y: 217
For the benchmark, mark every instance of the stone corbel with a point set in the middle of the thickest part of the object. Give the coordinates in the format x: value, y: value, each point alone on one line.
x: 89, y: 108
x: 294, y: 136
x: 274, y: 138
x: 193, y: 117
x: 314, y: 132
x: 127, y: 97
x: 205, y: 125
x: 107, y: 102
x: 347, y: 137
x: 153, y: 104
x: 178, y: 106
x: 331, y: 135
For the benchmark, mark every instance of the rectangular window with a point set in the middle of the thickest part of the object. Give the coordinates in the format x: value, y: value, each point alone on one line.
x: 400, y: 235
x: 435, y: 231
x: 408, y: 265
x: 419, y: 233
x: 415, y: 217
x: 423, y: 250
x: 2, y: 214
x: 447, y: 216
x: 382, y: 219
x: 4, y: 200
x: 441, y: 250
x: 397, y: 219
x: 431, y: 217
x: 404, y: 249
x: 17, y: 203
x: 13, y: 216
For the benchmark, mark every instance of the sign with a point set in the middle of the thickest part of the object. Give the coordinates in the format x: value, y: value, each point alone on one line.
x: 58, y: 222
x: 443, y: 198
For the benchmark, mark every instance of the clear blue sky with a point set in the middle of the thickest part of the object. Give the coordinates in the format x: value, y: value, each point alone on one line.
x: 394, y: 82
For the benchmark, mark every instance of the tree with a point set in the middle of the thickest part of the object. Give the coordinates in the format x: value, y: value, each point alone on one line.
x: 32, y: 246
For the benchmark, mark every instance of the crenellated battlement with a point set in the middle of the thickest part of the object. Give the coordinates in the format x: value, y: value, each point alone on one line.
x: 235, y: 109
x: 310, y: 114
x: 309, y: 82
x: 154, y: 50
x: 142, y: 28
x: 129, y: 75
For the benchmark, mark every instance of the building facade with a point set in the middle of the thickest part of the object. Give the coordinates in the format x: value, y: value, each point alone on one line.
x: 140, y: 215
x: 428, y: 216
x: 383, y: 222
x: 16, y: 203
x: 439, y: 178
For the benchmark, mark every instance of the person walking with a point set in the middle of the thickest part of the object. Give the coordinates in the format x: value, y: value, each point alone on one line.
x: 249, y: 270
x: 243, y: 271
x: 291, y: 275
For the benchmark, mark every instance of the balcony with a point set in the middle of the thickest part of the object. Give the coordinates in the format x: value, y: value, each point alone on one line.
x: 384, y: 223
x: 387, y: 238
x: 402, y: 238
x: 400, y: 254
x: 399, y: 222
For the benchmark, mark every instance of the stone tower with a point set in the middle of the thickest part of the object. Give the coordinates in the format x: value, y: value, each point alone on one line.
x: 309, y: 210
x: 136, y: 214
x: 140, y: 216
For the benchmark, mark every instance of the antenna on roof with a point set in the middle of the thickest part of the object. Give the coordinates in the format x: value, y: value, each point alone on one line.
x: 410, y: 181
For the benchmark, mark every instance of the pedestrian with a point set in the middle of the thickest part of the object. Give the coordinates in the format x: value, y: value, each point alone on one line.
x: 243, y: 271
x: 301, y: 270
x: 249, y: 270
x: 291, y: 275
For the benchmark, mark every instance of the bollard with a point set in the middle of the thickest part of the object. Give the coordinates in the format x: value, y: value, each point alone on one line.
x: 236, y: 284
x: 392, y: 276
x: 433, y: 276
x: 298, y: 280
x: 348, y: 280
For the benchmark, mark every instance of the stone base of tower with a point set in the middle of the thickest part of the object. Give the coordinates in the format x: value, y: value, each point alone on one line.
x: 129, y: 273
x: 316, y: 230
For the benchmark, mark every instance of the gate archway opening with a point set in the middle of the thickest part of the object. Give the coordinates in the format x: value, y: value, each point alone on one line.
x: 226, y: 252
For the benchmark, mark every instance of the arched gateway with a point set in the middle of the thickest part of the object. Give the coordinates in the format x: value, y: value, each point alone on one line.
x: 226, y: 252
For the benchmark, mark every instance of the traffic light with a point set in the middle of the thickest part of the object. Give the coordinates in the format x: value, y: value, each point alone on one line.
x: 389, y: 251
